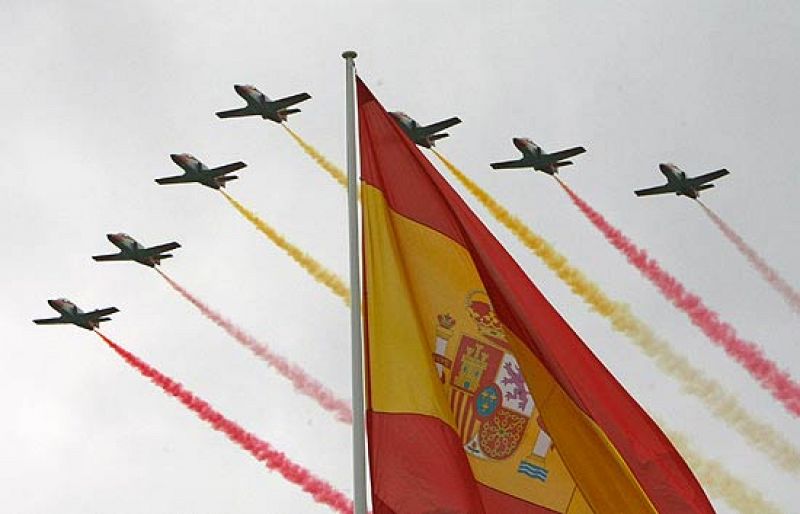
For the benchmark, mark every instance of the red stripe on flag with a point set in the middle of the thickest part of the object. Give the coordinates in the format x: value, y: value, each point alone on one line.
x: 440, y: 479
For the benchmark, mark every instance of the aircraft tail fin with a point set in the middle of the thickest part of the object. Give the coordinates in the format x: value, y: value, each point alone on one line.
x: 289, y: 111
x: 704, y: 186
x: 222, y: 181
x: 563, y: 163
x: 436, y: 137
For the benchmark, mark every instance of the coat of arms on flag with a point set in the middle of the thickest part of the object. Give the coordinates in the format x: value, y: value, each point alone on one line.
x: 488, y: 395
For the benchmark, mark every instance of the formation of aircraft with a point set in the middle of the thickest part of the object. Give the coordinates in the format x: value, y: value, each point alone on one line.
x: 423, y: 135
x: 259, y: 104
x: 196, y: 171
x: 534, y: 157
x: 131, y: 250
x: 680, y: 184
x: 72, y: 314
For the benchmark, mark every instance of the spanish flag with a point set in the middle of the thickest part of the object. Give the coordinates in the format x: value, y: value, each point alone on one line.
x: 480, y: 397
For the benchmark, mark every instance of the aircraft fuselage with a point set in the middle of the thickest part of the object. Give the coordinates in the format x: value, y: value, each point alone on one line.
x: 131, y: 249
x: 412, y: 129
x: 423, y: 135
x: 72, y: 313
x: 196, y: 170
x: 259, y: 102
x: 677, y: 179
x: 533, y: 154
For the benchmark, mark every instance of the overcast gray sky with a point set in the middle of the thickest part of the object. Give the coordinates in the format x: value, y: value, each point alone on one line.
x: 95, y: 95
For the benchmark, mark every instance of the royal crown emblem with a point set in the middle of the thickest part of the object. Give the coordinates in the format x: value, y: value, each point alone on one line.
x: 480, y: 309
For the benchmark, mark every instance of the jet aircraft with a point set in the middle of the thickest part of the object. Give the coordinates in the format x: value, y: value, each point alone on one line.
x: 534, y: 157
x: 70, y: 313
x: 680, y: 184
x: 196, y: 171
x: 423, y: 135
x: 131, y: 250
x: 259, y: 104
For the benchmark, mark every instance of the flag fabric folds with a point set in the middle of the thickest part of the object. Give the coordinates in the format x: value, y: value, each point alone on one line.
x: 480, y: 397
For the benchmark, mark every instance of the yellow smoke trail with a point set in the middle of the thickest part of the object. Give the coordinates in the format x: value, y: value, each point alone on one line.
x: 722, y: 404
x: 315, y: 269
x: 721, y: 484
x: 333, y: 170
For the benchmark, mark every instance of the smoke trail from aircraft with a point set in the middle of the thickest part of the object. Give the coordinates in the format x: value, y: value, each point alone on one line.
x: 322, y: 491
x: 314, y: 268
x: 333, y: 170
x: 789, y: 294
x: 775, y: 380
x: 720, y: 483
x: 302, y: 381
x: 711, y: 393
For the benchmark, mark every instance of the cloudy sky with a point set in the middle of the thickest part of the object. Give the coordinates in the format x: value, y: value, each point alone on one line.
x: 96, y: 95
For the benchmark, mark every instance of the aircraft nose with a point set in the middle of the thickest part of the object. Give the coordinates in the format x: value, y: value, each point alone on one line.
x: 175, y: 158
x: 51, y: 303
x: 517, y: 141
x: 111, y: 237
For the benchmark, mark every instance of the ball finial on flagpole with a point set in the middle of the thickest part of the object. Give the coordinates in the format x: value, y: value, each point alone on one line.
x: 349, y: 54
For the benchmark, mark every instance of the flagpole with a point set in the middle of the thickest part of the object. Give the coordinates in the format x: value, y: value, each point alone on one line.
x: 359, y: 448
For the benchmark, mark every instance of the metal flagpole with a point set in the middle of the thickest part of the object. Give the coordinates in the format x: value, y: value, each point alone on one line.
x: 359, y: 448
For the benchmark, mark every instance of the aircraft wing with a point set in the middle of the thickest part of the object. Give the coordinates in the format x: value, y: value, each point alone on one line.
x: 658, y: 190
x: 441, y: 125
x: 236, y: 113
x: 51, y: 321
x: 708, y: 177
x: 155, y: 250
x: 506, y: 165
x: 113, y: 257
x: 178, y: 179
x: 563, y: 154
x: 228, y: 168
x: 99, y: 313
x: 283, y: 103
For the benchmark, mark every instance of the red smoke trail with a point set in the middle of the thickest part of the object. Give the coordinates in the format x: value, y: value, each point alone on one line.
x: 302, y: 382
x: 791, y: 296
x: 776, y: 381
x: 322, y: 491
